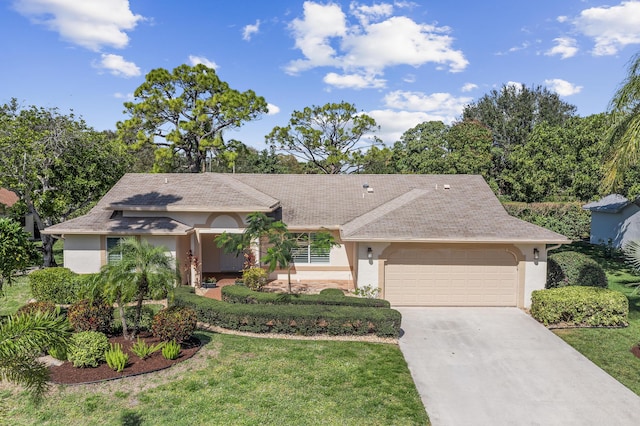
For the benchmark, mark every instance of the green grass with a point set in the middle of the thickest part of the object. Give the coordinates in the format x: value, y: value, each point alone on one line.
x: 15, y: 295
x: 610, y: 348
x: 244, y: 381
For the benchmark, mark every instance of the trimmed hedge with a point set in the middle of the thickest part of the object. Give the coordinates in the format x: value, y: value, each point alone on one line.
x: 571, y: 268
x: 244, y: 295
x: 292, y: 319
x: 55, y: 285
x: 59, y: 285
x: 580, y: 306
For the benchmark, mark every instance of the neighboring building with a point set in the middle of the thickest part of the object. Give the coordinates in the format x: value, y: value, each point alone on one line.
x: 7, y: 200
x: 615, y: 220
x: 422, y: 239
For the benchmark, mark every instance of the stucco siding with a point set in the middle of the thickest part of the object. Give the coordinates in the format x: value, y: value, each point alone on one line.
x: 619, y: 228
x: 83, y: 253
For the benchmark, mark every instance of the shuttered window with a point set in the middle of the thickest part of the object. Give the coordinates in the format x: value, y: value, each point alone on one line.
x: 114, y: 254
x: 306, y: 254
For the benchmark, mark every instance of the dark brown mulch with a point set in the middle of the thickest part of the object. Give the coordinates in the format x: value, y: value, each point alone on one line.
x: 68, y: 374
x: 636, y: 350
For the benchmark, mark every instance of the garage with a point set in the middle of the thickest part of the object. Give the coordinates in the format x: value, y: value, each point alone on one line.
x: 447, y: 275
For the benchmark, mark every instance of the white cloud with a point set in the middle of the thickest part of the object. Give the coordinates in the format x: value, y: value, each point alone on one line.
x: 375, y: 41
x: 409, y: 78
x: 565, y: 47
x: 612, y: 28
x: 353, y: 81
x: 562, y: 19
x: 443, y: 105
x: 468, y: 87
x: 90, y: 24
x: 118, y: 66
x: 127, y: 96
x: 273, y: 109
x: 394, y: 123
x: 250, y: 30
x: 365, y: 14
x: 195, y: 60
x: 562, y: 87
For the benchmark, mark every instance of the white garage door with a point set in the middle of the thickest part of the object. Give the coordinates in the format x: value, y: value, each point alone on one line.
x: 481, y: 276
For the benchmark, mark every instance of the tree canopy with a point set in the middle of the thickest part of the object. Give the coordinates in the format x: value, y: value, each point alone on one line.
x: 182, y: 115
x: 16, y: 250
x: 326, y: 137
x: 56, y: 164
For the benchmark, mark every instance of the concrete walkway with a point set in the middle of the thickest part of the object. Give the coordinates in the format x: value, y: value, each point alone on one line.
x: 498, y: 366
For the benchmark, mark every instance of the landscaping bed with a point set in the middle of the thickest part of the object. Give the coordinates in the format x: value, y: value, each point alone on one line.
x: 66, y: 373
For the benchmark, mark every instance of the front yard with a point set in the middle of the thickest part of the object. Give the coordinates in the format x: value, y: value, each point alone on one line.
x: 241, y: 381
x: 610, y: 348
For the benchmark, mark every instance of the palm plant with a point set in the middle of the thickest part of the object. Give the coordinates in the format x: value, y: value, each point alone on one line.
x: 23, y: 338
x: 631, y: 252
x: 624, y: 134
x: 143, y: 271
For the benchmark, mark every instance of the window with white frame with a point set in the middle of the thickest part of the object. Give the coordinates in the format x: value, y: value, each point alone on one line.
x: 307, y: 254
x: 114, y: 254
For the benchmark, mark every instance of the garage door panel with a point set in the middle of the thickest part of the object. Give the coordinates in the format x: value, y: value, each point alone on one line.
x: 451, y: 277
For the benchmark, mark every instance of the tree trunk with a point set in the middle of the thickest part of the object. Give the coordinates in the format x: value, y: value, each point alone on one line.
x: 125, y: 329
x: 47, y: 251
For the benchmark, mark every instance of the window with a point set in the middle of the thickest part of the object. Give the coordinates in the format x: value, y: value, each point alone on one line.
x: 305, y: 253
x: 114, y: 254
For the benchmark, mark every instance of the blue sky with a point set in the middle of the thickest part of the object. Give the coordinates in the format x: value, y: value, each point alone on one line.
x: 401, y: 62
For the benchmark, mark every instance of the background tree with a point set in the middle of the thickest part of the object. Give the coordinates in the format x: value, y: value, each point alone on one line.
x: 469, y: 145
x: 16, y: 251
x: 144, y: 270
x: 378, y: 161
x: 276, y: 243
x: 56, y: 164
x: 326, y: 137
x: 422, y: 149
x: 22, y: 338
x: 511, y: 113
x: 184, y: 113
x: 624, y: 134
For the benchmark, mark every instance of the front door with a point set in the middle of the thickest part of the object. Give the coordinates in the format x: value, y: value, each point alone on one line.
x: 229, y: 262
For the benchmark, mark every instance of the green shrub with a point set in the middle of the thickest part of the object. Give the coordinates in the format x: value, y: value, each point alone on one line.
x: 175, y: 323
x: 367, y: 291
x: 58, y: 352
x: 171, y: 350
x: 255, y: 278
x: 331, y: 292
x: 86, y: 315
x: 292, y: 319
x: 87, y: 348
x: 116, y: 359
x: 568, y: 219
x: 143, y: 350
x: 580, y: 306
x: 571, y: 268
x: 244, y: 295
x: 146, y: 316
x: 32, y: 307
x: 57, y: 285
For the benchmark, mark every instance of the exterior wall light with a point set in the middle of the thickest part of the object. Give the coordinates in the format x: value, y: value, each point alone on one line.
x: 369, y: 253
x: 536, y: 254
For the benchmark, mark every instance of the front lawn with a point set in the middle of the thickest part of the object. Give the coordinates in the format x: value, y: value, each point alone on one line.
x: 243, y: 381
x: 610, y: 348
x: 240, y: 381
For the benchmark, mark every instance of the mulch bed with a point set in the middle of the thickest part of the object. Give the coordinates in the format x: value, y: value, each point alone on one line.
x: 66, y: 373
x: 636, y: 350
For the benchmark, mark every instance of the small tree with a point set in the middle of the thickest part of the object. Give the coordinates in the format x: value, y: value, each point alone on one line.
x: 144, y: 271
x: 279, y: 243
x: 16, y: 251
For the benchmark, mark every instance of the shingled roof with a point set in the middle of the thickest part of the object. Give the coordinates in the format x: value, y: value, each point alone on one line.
x: 454, y: 208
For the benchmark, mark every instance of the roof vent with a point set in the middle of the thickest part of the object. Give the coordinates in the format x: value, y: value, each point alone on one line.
x: 446, y: 186
x: 369, y: 189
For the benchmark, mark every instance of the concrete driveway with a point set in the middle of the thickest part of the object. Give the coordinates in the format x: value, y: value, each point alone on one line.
x: 498, y: 366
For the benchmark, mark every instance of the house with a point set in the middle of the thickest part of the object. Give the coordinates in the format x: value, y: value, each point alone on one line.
x: 7, y: 200
x: 615, y: 220
x: 422, y: 239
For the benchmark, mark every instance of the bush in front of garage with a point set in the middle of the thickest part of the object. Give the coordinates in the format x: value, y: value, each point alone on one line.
x: 244, y: 295
x: 570, y: 268
x: 304, y: 320
x: 580, y: 306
